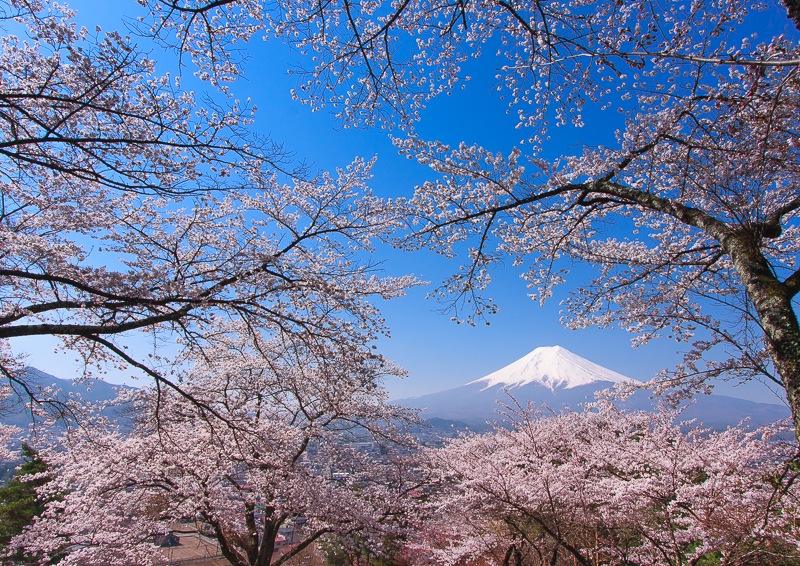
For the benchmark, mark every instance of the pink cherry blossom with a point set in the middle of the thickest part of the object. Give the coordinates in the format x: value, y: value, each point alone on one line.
x: 267, y: 432
x: 128, y: 204
x: 615, y: 488
x: 687, y: 210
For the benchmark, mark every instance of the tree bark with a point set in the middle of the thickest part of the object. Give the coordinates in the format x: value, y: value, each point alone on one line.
x: 272, y: 524
x: 225, y: 547
x: 772, y: 300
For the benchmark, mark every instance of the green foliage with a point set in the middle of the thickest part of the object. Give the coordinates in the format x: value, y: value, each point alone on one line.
x: 18, y: 501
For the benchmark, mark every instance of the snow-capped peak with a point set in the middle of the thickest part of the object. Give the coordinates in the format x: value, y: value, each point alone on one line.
x: 551, y: 366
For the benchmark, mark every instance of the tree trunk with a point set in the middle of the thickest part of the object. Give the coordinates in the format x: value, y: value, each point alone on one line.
x: 225, y: 547
x: 267, y: 548
x: 773, y: 304
x: 783, y: 337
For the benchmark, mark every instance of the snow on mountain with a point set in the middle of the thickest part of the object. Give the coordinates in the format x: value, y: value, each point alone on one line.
x: 553, y: 367
x: 556, y: 378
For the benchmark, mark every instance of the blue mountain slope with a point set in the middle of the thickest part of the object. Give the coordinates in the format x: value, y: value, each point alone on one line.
x: 556, y: 378
x: 14, y: 411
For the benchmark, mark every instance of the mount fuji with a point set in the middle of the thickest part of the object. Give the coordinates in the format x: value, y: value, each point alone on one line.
x: 555, y: 377
x: 553, y: 367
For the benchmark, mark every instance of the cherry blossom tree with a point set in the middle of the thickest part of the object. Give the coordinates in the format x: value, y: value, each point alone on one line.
x: 6, y: 435
x: 688, y: 211
x: 128, y: 204
x: 272, y: 434
x: 610, y: 487
x: 7, y: 432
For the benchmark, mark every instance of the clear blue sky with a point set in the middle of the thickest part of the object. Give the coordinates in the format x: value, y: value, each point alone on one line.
x: 437, y: 353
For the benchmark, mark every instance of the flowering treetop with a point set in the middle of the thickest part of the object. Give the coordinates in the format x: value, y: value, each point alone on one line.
x: 131, y: 205
x: 604, y: 485
x: 687, y: 210
x: 270, y: 434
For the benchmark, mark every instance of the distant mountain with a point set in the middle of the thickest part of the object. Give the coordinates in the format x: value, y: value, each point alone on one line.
x: 553, y: 367
x: 15, y: 413
x: 557, y: 378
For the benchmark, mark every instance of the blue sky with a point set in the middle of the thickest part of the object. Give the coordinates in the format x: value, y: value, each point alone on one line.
x: 437, y: 353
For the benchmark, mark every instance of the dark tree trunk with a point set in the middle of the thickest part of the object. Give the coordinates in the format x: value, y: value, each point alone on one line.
x: 554, y: 558
x: 783, y: 338
x: 513, y: 552
x: 225, y: 547
x: 507, y: 557
x: 272, y: 524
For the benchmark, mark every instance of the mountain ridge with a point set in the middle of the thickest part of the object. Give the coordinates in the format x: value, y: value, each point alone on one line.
x: 96, y: 391
x: 534, y: 379
x: 553, y: 367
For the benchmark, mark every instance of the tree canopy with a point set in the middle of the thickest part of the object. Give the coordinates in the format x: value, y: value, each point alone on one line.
x: 687, y: 210
x: 613, y: 488
x: 272, y: 432
x: 130, y: 205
